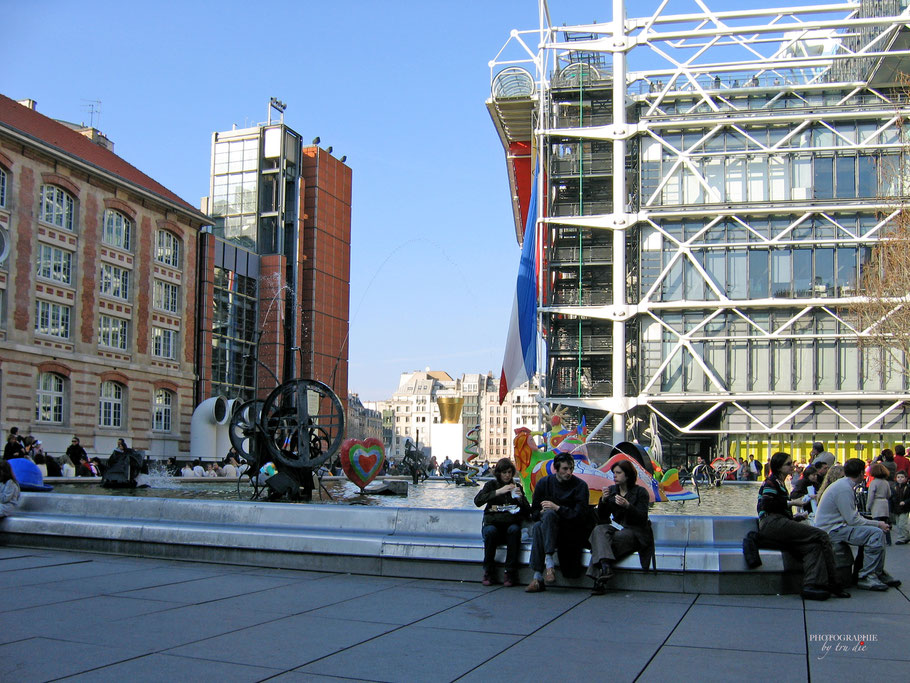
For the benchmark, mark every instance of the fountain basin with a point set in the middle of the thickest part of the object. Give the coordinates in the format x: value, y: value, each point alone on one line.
x: 693, y: 553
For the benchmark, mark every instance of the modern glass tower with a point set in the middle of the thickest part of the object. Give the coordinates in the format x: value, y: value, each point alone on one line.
x: 712, y: 184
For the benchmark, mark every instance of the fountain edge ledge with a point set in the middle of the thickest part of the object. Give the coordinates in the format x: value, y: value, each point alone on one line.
x: 694, y: 554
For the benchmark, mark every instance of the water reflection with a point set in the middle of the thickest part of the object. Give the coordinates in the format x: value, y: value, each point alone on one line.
x: 730, y: 499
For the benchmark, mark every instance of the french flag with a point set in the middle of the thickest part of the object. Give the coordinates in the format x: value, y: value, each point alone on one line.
x: 520, y: 361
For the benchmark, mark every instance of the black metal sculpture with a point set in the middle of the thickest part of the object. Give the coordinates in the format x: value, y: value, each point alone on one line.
x: 298, y: 427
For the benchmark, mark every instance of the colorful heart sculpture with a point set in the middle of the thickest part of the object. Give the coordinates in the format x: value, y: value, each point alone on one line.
x: 362, y: 460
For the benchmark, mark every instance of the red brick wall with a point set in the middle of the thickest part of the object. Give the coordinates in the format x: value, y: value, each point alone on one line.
x: 325, y: 268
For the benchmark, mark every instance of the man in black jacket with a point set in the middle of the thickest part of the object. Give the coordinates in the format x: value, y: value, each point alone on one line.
x: 560, y: 503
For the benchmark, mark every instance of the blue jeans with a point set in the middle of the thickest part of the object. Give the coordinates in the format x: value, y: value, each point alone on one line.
x: 492, y: 537
x: 544, y: 536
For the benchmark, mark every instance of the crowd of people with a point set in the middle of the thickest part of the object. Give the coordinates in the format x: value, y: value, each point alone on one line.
x: 855, y: 503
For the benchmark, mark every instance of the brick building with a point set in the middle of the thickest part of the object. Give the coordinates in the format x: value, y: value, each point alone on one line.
x: 97, y: 292
x: 276, y: 264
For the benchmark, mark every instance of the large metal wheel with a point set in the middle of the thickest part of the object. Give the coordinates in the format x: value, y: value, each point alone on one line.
x: 243, y: 430
x: 302, y: 422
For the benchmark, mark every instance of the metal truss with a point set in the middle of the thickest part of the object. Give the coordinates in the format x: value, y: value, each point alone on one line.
x: 679, y: 82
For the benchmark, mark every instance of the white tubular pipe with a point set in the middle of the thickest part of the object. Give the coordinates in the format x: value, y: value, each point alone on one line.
x: 223, y: 431
x: 203, y: 427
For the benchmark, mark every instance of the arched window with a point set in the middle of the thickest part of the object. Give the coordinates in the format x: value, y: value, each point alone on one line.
x: 117, y: 230
x: 167, y: 249
x: 49, y: 400
x: 164, y: 400
x: 57, y: 207
x: 110, y: 405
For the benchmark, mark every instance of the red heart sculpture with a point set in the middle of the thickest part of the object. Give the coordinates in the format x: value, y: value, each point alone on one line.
x: 362, y: 460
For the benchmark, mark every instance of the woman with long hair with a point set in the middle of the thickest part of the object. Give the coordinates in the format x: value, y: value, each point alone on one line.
x: 506, y: 509
x: 9, y: 489
x: 623, y: 528
x: 777, y: 523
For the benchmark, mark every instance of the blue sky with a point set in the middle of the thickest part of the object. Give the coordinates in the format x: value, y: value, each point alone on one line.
x: 399, y: 87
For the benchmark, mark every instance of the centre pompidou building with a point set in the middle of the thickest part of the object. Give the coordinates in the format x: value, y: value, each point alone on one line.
x: 711, y: 185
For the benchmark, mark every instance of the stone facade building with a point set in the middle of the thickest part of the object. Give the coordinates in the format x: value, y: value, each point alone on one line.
x: 97, y: 292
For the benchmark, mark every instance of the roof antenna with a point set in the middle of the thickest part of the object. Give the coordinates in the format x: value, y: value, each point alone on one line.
x: 93, y: 107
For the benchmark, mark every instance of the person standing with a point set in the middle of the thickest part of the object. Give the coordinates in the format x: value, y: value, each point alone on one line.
x: 900, y: 507
x: 900, y: 459
x: 878, y: 499
x: 837, y: 514
x: 506, y: 508
x: 560, y: 506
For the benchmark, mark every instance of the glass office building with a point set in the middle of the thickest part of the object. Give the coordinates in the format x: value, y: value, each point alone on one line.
x: 709, y: 282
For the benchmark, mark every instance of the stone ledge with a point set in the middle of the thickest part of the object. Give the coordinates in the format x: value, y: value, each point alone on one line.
x: 693, y: 554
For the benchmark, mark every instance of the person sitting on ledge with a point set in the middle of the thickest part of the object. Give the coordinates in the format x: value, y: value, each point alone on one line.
x: 777, y: 523
x: 837, y: 515
x: 9, y: 489
x: 560, y: 503
x: 627, y: 531
x: 506, y: 508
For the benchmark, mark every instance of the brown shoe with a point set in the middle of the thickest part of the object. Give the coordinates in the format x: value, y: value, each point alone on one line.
x: 535, y: 587
x: 549, y: 576
x: 510, y: 580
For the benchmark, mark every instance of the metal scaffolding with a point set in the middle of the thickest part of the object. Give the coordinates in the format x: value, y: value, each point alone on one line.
x: 706, y: 283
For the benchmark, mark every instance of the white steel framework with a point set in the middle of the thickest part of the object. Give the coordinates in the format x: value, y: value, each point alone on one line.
x: 707, y: 283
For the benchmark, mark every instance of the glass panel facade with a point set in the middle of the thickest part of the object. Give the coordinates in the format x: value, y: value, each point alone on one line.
x: 234, y: 333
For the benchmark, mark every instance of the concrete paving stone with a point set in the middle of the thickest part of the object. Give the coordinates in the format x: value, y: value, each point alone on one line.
x: 707, y: 665
x: 209, y: 588
x: 62, y: 619
x: 285, y: 643
x: 300, y: 677
x: 576, y: 659
x: 304, y: 596
x: 851, y: 666
x: 171, y: 628
x: 44, y: 659
x: 653, y: 596
x: 627, y: 622
x: 766, y: 601
x: 132, y: 580
x: 396, y: 605
x: 13, y: 564
x: 415, y: 653
x: 892, y: 601
x: 63, y: 572
x: 164, y: 667
x: 719, y: 626
x: 7, y: 552
x: 507, y: 611
x: 14, y: 599
x: 891, y: 633
x: 457, y: 589
x: 295, y: 574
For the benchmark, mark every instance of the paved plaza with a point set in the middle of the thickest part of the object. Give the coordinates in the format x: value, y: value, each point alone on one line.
x: 78, y: 616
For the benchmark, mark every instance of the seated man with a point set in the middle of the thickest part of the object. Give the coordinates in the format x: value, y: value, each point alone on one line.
x: 838, y: 516
x: 560, y: 503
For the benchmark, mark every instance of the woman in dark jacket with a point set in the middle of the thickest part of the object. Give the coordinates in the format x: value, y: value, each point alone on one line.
x: 506, y: 509
x: 624, y: 527
x: 777, y: 523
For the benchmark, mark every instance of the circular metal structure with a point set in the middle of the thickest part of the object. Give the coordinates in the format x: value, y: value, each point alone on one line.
x: 243, y: 429
x: 302, y: 422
